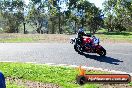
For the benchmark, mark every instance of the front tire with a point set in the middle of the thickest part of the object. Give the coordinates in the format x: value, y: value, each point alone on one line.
x: 102, y: 52
x: 75, y: 48
x: 78, y: 49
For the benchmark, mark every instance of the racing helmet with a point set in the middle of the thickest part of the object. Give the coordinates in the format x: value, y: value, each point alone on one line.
x: 80, y: 31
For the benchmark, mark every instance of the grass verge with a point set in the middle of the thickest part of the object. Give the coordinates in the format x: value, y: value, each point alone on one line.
x: 58, y: 75
x: 16, y: 40
x: 62, y: 76
x: 62, y: 38
x: 115, y: 37
x: 48, y: 38
x: 130, y: 84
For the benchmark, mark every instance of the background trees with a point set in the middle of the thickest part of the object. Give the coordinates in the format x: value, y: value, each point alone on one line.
x: 85, y: 14
x: 118, y: 15
x: 12, y: 13
x: 65, y: 16
x: 36, y: 15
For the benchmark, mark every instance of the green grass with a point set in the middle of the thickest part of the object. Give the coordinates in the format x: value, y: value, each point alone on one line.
x: 130, y: 84
x: 115, y: 37
x: 63, y: 76
x: 16, y: 40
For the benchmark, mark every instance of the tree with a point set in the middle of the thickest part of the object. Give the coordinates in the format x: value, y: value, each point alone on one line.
x: 119, y: 10
x: 87, y: 14
x: 12, y: 12
x: 56, y: 21
x: 52, y: 15
x: 36, y: 15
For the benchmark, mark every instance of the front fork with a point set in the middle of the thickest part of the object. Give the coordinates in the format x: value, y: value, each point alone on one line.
x: 89, y: 48
x: 97, y: 48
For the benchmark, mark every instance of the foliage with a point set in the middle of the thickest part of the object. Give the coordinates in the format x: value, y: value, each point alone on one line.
x: 119, y: 14
x: 130, y: 84
x: 12, y: 12
x: 48, y: 17
x: 36, y: 15
x: 90, y: 15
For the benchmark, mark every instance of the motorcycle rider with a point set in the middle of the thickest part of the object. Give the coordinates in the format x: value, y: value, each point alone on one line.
x: 81, y: 33
x: 94, y: 39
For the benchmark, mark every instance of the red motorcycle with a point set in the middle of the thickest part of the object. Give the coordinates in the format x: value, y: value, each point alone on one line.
x: 87, y: 46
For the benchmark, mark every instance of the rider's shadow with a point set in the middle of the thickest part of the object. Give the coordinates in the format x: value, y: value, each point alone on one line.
x: 105, y: 59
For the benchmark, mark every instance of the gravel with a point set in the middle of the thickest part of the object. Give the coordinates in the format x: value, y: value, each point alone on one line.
x: 31, y: 84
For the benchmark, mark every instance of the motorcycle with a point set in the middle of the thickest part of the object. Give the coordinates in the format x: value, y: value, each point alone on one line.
x: 87, y: 47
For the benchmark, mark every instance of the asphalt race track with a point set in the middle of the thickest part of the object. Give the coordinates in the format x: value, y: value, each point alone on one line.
x: 119, y: 56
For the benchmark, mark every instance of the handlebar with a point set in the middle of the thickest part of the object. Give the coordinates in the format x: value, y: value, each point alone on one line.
x: 72, y: 40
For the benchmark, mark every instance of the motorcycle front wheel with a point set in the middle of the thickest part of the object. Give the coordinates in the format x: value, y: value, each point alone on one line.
x: 102, y: 52
x: 78, y: 49
x: 75, y: 48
